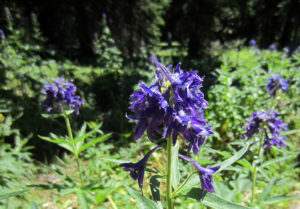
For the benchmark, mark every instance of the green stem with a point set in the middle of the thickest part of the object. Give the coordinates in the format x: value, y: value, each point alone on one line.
x: 169, y: 173
x: 182, y: 185
x: 74, y: 147
x: 111, y: 202
x: 255, y: 167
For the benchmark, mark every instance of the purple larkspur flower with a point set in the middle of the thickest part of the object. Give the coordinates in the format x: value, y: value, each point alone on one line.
x: 2, y: 34
x: 186, y: 104
x: 137, y: 170
x: 272, y: 47
x: 176, y: 101
x: 151, y: 107
x: 205, y: 175
x: 266, y: 122
x: 277, y: 83
x: 61, y: 94
x: 252, y: 43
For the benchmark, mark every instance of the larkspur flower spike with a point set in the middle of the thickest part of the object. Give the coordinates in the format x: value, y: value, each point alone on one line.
x: 137, y: 170
x: 266, y: 122
x: 252, y: 43
x: 61, y: 95
x: 205, y: 175
x: 175, y: 100
x: 275, y: 84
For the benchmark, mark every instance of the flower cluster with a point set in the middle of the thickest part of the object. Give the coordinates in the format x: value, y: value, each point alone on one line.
x: 172, y: 106
x: 61, y: 94
x: 266, y: 122
x: 176, y: 101
x: 277, y: 83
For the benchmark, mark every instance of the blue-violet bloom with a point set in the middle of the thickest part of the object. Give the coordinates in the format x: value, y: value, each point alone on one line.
x: 2, y: 34
x: 205, y: 175
x: 175, y: 100
x: 277, y: 83
x: 252, y: 43
x: 61, y: 94
x: 266, y: 121
x: 272, y: 47
x: 137, y: 170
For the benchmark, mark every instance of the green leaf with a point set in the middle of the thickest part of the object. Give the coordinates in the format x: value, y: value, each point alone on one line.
x: 92, y: 142
x: 154, y: 186
x: 34, y: 205
x: 289, y: 132
x: 143, y: 202
x: 267, y: 189
x: 12, y: 194
x: 280, y: 198
x: 233, y: 159
x: 53, y: 140
x: 114, y: 160
x: 175, y: 167
x: 212, y: 200
x: 82, y: 199
x: 277, y: 160
x: 83, y: 137
x: 67, y: 146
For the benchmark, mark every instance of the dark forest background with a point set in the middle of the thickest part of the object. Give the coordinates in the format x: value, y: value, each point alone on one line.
x: 70, y: 27
x: 105, y: 47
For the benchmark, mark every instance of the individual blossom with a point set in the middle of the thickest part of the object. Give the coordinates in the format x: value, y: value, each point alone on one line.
x: 277, y: 83
x: 267, y: 122
x: 137, y: 170
x: 252, y: 43
x: 61, y: 95
x: 205, y: 174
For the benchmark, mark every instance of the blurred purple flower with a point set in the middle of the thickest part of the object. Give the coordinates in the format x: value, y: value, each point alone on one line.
x: 267, y: 122
x: 205, y: 175
x: 252, y: 43
x: 277, y: 83
x: 137, y: 170
x: 2, y: 34
x: 60, y: 94
x: 272, y: 47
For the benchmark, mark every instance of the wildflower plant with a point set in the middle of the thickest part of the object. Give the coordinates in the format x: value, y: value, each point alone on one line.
x: 173, y: 107
x: 61, y: 101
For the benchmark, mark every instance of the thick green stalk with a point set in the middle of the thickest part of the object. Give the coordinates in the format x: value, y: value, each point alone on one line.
x: 74, y: 147
x: 255, y: 168
x: 169, y: 173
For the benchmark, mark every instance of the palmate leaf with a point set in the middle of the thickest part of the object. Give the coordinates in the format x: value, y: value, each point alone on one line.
x: 212, y: 200
x: 83, y: 137
x: 92, y: 142
x: 143, y: 202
